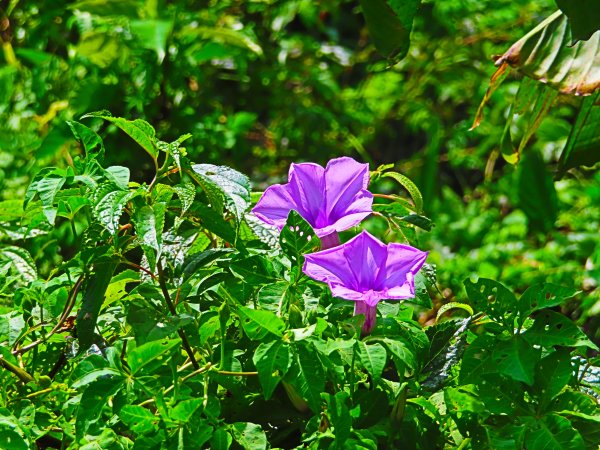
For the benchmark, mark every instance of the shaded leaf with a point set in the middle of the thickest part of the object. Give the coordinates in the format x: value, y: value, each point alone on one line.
x: 551, y: 328
x: 584, y: 17
x: 272, y: 361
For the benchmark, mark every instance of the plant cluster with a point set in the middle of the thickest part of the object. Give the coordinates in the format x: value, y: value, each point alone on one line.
x: 182, y: 320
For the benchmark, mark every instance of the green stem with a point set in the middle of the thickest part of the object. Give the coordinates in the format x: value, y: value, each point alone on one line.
x: 171, y: 306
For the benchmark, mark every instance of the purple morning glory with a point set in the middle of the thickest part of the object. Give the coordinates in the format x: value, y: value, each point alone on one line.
x: 366, y: 270
x: 330, y: 199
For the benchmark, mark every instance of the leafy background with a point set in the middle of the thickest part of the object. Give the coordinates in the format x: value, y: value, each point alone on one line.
x: 258, y: 85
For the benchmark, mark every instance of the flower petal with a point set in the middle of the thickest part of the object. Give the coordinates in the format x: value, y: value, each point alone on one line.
x: 366, y: 256
x: 306, y: 186
x: 348, y: 201
x: 329, y: 266
x: 275, y: 205
x: 403, y: 263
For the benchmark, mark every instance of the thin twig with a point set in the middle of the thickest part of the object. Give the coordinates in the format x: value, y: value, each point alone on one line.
x: 171, y: 306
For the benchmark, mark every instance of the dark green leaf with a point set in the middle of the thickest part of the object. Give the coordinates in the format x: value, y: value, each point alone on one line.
x: 537, y: 194
x: 554, y: 432
x: 93, y: 298
x: 551, y: 328
x: 339, y: 416
x: 307, y: 376
x: 540, y: 296
x: 139, y: 130
x: 494, y: 299
x: 552, y: 374
x: 93, y: 400
x: 272, y: 361
x: 92, y: 143
x: 516, y: 359
x: 584, y: 17
x: 390, y: 24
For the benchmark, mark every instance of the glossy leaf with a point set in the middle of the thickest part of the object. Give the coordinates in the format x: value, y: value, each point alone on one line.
x: 150, y: 353
x: 257, y: 323
x: 138, y: 419
x: 139, y: 130
x: 227, y: 183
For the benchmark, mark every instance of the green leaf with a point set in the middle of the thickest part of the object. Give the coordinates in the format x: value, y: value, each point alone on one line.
x: 151, y: 353
x: 93, y: 375
x: 221, y: 440
x: 185, y: 409
x: 100, y: 48
x: 339, y: 415
x: 307, y: 375
x: 255, y: 270
x: 139, y: 130
x: 93, y: 298
x: 153, y: 34
x: 149, y: 223
x: 249, y: 435
x: 537, y: 194
x: 298, y: 238
x: 411, y: 187
x: 21, y: 261
x: 552, y: 432
x: 258, y: 324
x: 229, y: 36
x: 540, y: 296
x: 138, y: 419
x: 109, y: 204
x: 477, y: 359
x: 275, y: 297
x: 515, y: 359
x: 390, y: 25
x: 91, y: 141
x: 546, y: 54
x: 583, y: 145
x: 494, y: 299
x: 551, y: 328
x: 272, y: 361
x: 93, y: 400
x: 46, y: 184
x: 11, y: 439
x: 584, y: 17
x: 118, y: 175
x: 552, y: 374
x: 227, y: 183
x: 373, y: 358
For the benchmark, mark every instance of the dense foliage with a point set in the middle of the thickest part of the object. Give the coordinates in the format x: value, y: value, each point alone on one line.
x: 144, y: 305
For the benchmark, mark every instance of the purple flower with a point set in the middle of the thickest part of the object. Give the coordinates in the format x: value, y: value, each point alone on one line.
x: 366, y: 270
x: 330, y: 200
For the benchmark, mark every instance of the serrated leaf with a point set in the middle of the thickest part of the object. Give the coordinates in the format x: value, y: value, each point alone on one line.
x: 373, y: 358
x: 139, y: 130
x: 149, y: 223
x: 551, y: 328
x: 257, y: 323
x: 91, y: 141
x: 150, y: 353
x: 21, y: 261
x: 138, y: 419
x: 493, y: 298
x: 272, y: 361
x: 118, y: 175
x: 229, y: 184
x: 249, y: 435
x: 109, y: 204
